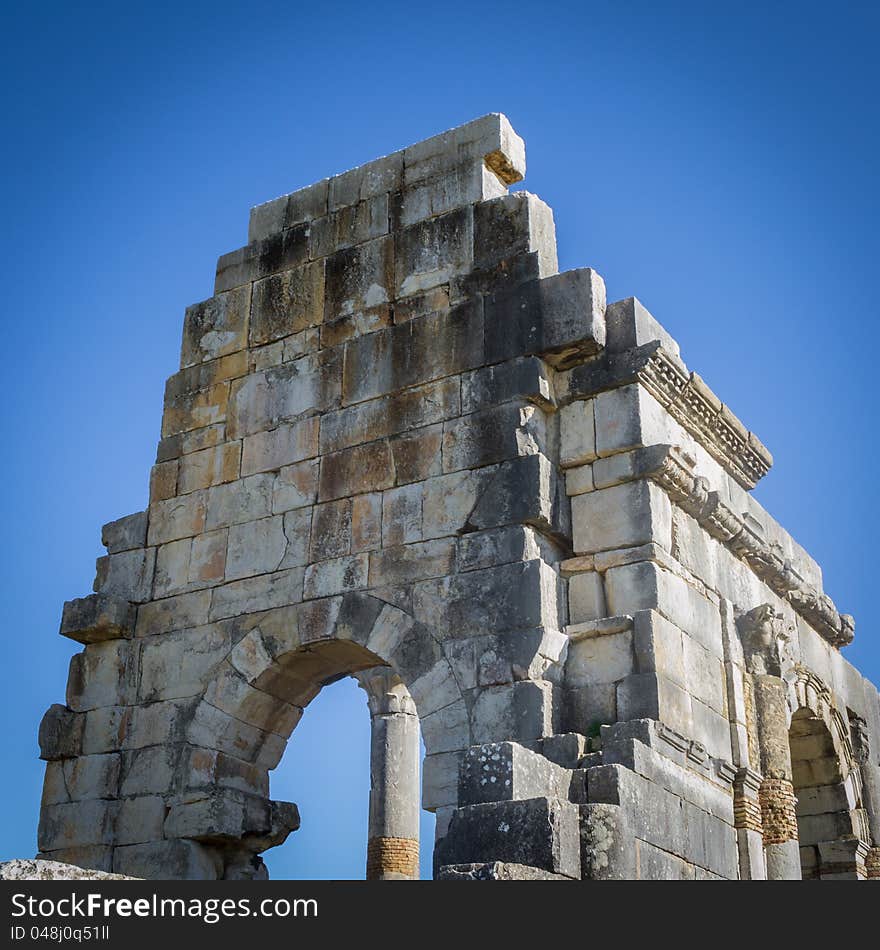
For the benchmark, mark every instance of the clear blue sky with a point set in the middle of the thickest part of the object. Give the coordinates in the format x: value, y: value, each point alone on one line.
x: 717, y: 161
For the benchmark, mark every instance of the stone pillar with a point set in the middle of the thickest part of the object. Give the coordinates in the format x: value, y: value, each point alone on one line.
x: 393, y: 842
x: 869, y: 772
x: 760, y: 632
x: 749, y: 824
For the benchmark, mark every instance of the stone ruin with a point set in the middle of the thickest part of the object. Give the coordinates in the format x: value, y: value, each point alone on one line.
x: 402, y: 447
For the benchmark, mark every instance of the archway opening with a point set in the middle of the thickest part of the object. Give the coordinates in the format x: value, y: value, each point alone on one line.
x: 822, y: 801
x: 330, y: 770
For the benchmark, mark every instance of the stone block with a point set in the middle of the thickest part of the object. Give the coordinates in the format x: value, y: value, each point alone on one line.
x: 414, y: 353
x: 244, y: 500
x: 508, y: 597
x: 586, y: 597
x: 513, y: 225
x: 168, y: 861
x: 505, y: 545
x: 658, y: 646
x: 209, y: 467
x: 173, y: 613
x: 60, y: 734
x: 359, y: 279
x: 163, y: 480
x: 440, y: 780
x: 494, y: 435
x: 251, y: 594
x: 446, y: 729
x: 375, y: 178
x: 417, y: 455
x: 306, y: 204
x: 348, y: 225
x: 390, y: 415
x: 257, y: 547
x: 287, y: 303
x: 215, y: 327
x: 335, y: 576
x: 362, y: 468
x: 178, y: 664
x: 295, y: 486
x: 560, y: 317
x: 538, y: 832
x: 402, y: 515
x: 527, y: 378
x: 577, y: 432
x: 652, y: 696
x: 622, y: 516
x: 102, y: 675
x: 268, y: 451
x: 430, y: 252
x: 126, y: 533
x: 645, y: 585
x: 524, y: 490
x: 520, y: 711
x: 177, y: 518
x: 277, y: 252
x: 283, y: 394
x: 140, y: 819
x: 97, y: 617
x: 331, y: 530
x: 127, y: 575
x: 366, y: 522
x: 628, y: 418
x: 75, y: 824
x: 607, y: 852
x: 629, y: 325
x: 489, y: 140
x: 600, y: 660
x: 405, y: 563
x: 507, y: 771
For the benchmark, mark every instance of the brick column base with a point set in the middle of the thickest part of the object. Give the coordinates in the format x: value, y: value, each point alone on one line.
x: 393, y: 858
x: 778, y: 814
x: 872, y: 864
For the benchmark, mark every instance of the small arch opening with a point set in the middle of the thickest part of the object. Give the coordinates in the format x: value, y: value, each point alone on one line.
x: 823, y: 806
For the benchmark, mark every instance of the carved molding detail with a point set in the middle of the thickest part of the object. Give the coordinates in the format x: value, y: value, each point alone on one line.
x: 672, y: 472
x: 688, y: 399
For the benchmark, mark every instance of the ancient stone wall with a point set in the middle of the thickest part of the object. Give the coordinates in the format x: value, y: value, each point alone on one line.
x: 399, y: 439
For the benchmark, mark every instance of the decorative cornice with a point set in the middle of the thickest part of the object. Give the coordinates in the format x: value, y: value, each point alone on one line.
x: 669, y: 468
x: 687, y: 398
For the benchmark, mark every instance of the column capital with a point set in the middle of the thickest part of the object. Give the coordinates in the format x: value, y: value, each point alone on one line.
x: 386, y: 694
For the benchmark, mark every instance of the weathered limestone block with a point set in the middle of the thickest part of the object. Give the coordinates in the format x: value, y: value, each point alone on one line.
x: 538, y: 832
x: 507, y: 771
x: 287, y: 303
x: 127, y: 575
x: 560, y: 317
x: 621, y: 516
x: 61, y: 733
x: 97, y: 617
x: 261, y: 258
x: 216, y: 327
x: 125, y: 533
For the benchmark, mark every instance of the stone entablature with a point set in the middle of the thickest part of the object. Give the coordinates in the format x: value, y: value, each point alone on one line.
x: 402, y: 447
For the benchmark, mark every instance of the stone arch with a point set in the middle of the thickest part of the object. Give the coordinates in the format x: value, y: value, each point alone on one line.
x: 826, y: 780
x: 279, y: 662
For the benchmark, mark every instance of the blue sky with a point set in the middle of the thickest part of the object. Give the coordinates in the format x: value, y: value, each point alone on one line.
x: 717, y: 161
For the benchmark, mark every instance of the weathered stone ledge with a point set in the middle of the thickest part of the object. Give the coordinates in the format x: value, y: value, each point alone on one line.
x: 685, y: 396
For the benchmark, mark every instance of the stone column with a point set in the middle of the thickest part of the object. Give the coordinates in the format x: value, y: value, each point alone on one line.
x: 760, y: 631
x: 393, y: 842
x: 870, y: 774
